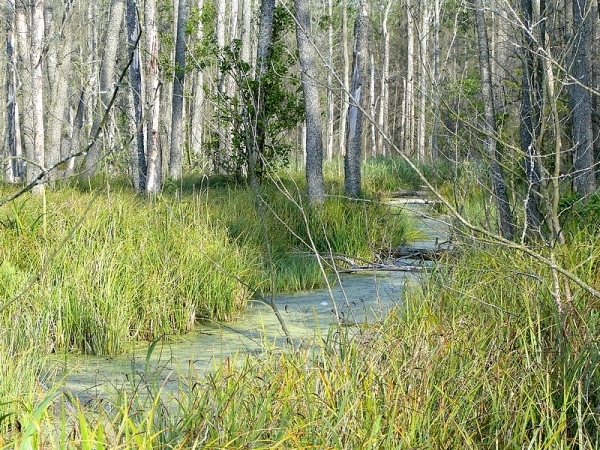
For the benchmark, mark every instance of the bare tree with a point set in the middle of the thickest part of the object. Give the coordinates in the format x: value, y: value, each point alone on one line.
x: 489, y: 126
x: 530, y: 113
x: 581, y: 101
x: 176, y: 154
x: 384, y: 96
x: 60, y: 91
x: 37, y: 86
x: 106, y: 82
x: 153, y: 152
x: 13, y: 167
x: 352, y: 180
x: 138, y: 156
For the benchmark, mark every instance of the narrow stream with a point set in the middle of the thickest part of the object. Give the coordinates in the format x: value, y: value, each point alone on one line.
x: 358, y: 297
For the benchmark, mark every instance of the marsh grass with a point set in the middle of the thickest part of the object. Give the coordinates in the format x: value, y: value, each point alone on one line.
x: 147, y: 268
x: 477, y: 357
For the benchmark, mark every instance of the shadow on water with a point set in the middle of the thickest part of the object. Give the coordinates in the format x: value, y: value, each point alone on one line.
x: 359, y: 298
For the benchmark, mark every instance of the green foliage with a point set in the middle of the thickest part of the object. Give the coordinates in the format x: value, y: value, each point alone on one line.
x: 578, y: 213
x: 280, y: 93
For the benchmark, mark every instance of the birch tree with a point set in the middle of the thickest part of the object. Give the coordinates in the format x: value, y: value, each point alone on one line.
x: 37, y: 86
x: 153, y: 153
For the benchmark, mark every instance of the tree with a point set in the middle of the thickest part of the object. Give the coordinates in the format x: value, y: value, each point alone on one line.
x: 263, y: 50
x: 37, y: 86
x: 59, y: 90
x: 581, y: 101
x: 176, y: 154
x: 357, y: 102
x: 489, y: 127
x: 530, y: 115
x: 153, y: 153
x: 384, y: 100
x: 106, y: 82
x: 138, y: 156
x: 312, y: 108
x: 13, y: 167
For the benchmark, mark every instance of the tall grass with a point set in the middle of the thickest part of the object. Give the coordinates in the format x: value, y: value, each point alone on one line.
x: 475, y: 358
x: 146, y: 268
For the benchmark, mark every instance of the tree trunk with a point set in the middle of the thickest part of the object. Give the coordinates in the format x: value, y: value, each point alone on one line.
x: 25, y: 94
x: 13, y: 168
x: 263, y: 50
x: 409, y: 104
x: 530, y: 118
x: 246, y: 32
x: 176, y: 154
x: 345, y: 79
x: 581, y: 102
x: 330, y: 95
x: 197, y: 119
x: 423, y: 81
x: 489, y: 126
x: 153, y: 151
x: 384, y: 100
x: 60, y: 94
x: 106, y: 82
x: 436, y: 94
x: 219, y: 153
x: 37, y: 86
x: 308, y: 73
x: 138, y: 158
x: 352, y: 161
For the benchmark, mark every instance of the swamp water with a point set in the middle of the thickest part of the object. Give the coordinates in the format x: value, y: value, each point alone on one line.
x: 358, y: 298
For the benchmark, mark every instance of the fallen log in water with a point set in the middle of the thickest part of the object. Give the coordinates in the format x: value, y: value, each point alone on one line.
x: 353, y: 266
x: 425, y: 254
x: 407, y: 193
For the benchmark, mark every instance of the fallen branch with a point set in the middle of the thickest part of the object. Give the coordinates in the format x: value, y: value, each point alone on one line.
x: 371, y: 266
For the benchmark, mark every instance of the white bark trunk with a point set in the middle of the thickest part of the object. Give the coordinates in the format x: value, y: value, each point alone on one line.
x: 153, y: 151
x: 37, y: 85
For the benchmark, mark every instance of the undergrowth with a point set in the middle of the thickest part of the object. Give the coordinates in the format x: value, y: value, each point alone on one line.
x: 476, y: 357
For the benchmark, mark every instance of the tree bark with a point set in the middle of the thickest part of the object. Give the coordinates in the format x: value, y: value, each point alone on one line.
x: 330, y: 96
x: 314, y: 134
x: 176, y: 154
x: 345, y: 78
x: 530, y: 118
x: 37, y: 86
x: 153, y: 152
x: 489, y: 127
x: 106, y: 83
x: 263, y: 50
x: 138, y: 158
x: 581, y: 102
x: 423, y: 81
x: 60, y: 93
x: 352, y: 180
x: 197, y: 118
x: 13, y: 168
x: 436, y: 94
x: 409, y: 103
x: 384, y: 100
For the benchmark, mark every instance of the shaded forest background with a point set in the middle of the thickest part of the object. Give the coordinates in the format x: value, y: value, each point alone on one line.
x: 159, y: 89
